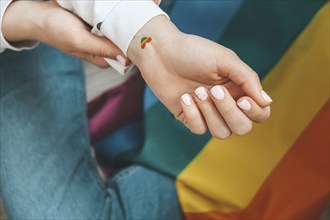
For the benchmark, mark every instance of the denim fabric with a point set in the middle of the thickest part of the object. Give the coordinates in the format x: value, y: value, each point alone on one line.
x: 47, y: 171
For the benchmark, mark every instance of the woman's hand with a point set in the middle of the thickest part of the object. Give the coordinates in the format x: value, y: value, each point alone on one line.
x: 218, y: 91
x: 47, y: 22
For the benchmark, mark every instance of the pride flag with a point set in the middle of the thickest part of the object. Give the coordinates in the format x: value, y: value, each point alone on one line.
x: 281, y: 169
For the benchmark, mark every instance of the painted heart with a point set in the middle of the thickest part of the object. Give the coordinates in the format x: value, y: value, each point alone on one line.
x: 144, y: 41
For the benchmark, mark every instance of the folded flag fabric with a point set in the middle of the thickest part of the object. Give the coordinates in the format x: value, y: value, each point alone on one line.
x: 115, y: 121
x: 281, y: 169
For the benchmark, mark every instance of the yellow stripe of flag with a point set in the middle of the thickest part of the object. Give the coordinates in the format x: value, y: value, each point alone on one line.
x: 226, y: 175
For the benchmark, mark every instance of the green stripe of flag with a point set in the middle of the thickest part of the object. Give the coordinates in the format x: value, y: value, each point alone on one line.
x: 169, y: 146
x: 261, y: 31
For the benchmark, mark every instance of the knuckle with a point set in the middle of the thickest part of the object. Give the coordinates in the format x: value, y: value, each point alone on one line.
x: 76, y: 41
x: 255, y: 76
x: 268, y: 111
x: 262, y: 117
x: 244, y: 129
x: 230, y: 53
x: 265, y: 116
x: 96, y: 61
x: 228, y: 109
x: 103, y: 65
x: 229, y: 57
x: 103, y: 52
x: 199, y: 130
x: 181, y: 117
x: 221, y: 135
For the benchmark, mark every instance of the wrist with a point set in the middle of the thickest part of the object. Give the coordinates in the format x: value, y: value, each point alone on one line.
x: 161, y: 31
x: 20, y: 21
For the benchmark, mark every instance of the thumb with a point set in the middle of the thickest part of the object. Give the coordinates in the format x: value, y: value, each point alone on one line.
x: 102, y: 47
x: 242, y: 75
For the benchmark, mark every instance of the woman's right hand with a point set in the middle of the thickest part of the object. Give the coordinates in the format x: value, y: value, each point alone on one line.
x: 47, y: 22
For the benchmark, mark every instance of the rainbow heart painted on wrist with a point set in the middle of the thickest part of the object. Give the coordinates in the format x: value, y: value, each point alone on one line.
x: 144, y: 41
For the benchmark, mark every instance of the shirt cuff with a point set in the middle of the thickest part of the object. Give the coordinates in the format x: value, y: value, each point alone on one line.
x: 17, y: 46
x: 126, y: 19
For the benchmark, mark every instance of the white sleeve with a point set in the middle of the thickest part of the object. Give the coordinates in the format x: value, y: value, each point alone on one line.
x: 117, y: 20
x: 17, y: 46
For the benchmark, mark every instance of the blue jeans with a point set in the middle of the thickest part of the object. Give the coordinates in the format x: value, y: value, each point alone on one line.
x: 47, y: 171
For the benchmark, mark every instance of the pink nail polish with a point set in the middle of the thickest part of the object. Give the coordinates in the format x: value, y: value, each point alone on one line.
x: 186, y: 99
x: 218, y: 93
x: 245, y: 105
x: 121, y: 60
x: 266, y: 97
x: 201, y: 93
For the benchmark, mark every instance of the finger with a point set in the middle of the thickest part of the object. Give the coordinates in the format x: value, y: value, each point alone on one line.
x: 236, y: 120
x: 235, y: 91
x: 97, y: 61
x: 214, y: 121
x: 101, y: 47
x: 192, y: 118
x: 241, y: 74
x: 252, y: 110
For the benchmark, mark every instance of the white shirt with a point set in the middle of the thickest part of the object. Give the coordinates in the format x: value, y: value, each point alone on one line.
x: 117, y: 20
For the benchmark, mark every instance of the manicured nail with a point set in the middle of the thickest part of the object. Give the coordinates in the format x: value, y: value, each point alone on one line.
x: 245, y: 105
x: 201, y: 93
x: 186, y: 99
x: 121, y: 60
x: 218, y: 92
x: 266, y: 97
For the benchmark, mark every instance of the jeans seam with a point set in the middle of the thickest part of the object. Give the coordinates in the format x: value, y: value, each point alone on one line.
x: 91, y: 162
x: 81, y: 101
x: 122, y: 174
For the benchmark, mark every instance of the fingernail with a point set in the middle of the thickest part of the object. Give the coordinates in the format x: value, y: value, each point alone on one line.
x: 245, y: 105
x: 121, y: 60
x: 186, y: 99
x: 266, y: 97
x: 218, y: 92
x: 201, y: 93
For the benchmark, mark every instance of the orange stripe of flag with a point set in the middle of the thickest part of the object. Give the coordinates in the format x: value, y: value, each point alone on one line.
x: 299, y: 186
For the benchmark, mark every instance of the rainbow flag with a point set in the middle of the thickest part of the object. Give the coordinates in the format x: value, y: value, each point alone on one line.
x: 281, y: 169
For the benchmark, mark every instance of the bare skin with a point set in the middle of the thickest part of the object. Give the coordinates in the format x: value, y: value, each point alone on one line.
x: 173, y: 64
x: 43, y: 21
